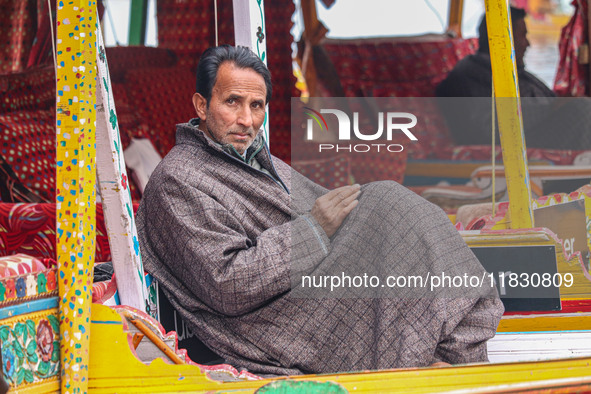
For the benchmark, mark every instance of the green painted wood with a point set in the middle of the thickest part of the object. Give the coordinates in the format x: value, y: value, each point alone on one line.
x: 308, y: 387
x: 137, y: 22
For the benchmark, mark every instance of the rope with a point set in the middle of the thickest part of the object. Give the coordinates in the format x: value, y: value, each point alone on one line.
x: 494, y: 191
x: 52, y: 34
x: 215, y: 17
x: 432, y: 8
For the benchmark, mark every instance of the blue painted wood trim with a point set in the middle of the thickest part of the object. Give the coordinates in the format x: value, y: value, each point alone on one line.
x: 29, y: 307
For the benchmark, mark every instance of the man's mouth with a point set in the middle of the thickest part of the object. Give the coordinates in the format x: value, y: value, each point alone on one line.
x: 242, y: 135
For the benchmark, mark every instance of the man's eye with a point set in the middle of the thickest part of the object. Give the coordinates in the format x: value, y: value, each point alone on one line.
x: 231, y: 101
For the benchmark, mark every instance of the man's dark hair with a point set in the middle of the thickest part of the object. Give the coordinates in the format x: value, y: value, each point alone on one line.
x: 516, y: 14
x: 241, y: 57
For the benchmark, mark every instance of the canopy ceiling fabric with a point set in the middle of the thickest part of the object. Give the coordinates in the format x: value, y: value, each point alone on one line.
x: 25, y: 33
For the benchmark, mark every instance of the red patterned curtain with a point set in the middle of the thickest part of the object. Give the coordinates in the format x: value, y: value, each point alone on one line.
x: 572, y: 78
x: 41, y: 48
x: 18, y: 26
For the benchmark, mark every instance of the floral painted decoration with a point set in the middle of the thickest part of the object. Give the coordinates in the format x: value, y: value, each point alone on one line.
x: 21, y: 288
x: 10, y: 290
x: 9, y: 360
x: 41, y: 283
x: 45, y: 340
x: 51, y: 283
x: 30, y: 350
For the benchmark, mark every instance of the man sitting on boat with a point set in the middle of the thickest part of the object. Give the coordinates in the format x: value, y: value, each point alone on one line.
x: 549, y: 122
x: 472, y: 76
x: 228, y: 230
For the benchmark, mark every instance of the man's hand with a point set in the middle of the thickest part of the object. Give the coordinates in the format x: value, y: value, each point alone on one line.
x: 331, y: 209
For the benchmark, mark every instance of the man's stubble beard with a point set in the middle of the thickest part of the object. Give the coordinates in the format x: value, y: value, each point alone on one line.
x: 250, y: 131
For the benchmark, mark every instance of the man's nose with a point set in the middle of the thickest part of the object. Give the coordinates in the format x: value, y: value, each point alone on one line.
x: 245, y: 117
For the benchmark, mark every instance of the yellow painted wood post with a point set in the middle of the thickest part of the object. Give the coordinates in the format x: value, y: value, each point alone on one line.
x: 76, y: 180
x: 504, y: 72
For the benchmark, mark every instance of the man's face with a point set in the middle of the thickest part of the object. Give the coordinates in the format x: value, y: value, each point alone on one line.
x: 237, y: 108
x: 520, y: 41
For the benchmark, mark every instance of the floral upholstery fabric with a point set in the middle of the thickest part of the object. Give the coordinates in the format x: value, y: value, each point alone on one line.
x: 27, y: 134
x: 11, y: 188
x: 27, y: 228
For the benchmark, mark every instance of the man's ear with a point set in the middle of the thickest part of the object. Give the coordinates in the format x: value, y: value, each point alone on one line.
x: 200, y: 104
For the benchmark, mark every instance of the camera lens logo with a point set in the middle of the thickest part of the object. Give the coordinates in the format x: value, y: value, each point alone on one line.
x: 388, y: 124
x: 317, y: 117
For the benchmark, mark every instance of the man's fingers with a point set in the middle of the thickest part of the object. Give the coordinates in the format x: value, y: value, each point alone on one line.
x: 348, y: 200
x: 341, y: 193
x: 347, y: 210
x: 331, y: 209
x: 346, y: 207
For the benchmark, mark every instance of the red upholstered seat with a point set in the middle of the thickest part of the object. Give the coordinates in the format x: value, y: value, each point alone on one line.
x: 331, y: 172
x: 29, y: 90
x: 131, y: 125
x: 386, y: 67
x: 121, y: 59
x: 367, y: 167
x: 414, y: 65
x: 362, y: 166
x: 161, y: 96
x: 27, y: 143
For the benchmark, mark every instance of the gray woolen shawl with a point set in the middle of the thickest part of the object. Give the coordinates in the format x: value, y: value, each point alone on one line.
x: 222, y: 239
